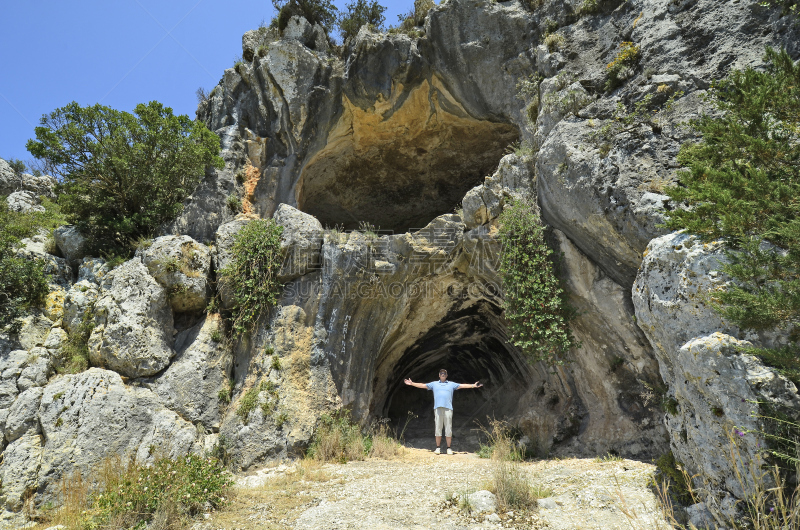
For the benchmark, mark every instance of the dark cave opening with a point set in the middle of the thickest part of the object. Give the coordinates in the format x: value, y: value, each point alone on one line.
x: 471, y: 345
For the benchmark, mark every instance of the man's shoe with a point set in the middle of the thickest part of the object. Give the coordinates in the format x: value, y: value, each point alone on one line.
x: 438, y: 451
x: 449, y: 451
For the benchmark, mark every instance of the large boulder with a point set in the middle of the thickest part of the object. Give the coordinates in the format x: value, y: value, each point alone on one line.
x: 181, y: 265
x: 71, y: 243
x: 88, y: 417
x: 192, y: 383
x: 22, y: 460
x: 301, y: 242
x: 22, y: 417
x: 77, y: 301
x: 133, y: 331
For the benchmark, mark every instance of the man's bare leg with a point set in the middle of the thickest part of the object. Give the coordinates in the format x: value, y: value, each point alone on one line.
x: 439, y: 441
x: 449, y: 441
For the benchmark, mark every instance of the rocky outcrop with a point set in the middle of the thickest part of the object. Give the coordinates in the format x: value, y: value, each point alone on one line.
x: 133, y: 331
x: 714, y: 420
x: 182, y: 266
x: 24, y: 202
x: 301, y: 241
x: 71, y: 243
x: 80, y: 431
x: 192, y: 383
x: 12, y: 182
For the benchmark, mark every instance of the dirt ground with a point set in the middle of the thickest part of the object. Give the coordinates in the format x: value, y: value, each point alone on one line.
x: 411, y: 492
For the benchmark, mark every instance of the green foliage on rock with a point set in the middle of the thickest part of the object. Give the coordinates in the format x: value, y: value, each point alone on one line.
x: 788, y: 7
x: 742, y: 185
x: 123, y: 174
x: 535, y: 301
x: 321, y: 12
x: 73, y: 357
x: 23, y: 283
x: 360, y: 13
x: 252, y: 274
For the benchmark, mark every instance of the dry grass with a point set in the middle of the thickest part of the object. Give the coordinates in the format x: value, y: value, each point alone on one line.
x: 384, y: 445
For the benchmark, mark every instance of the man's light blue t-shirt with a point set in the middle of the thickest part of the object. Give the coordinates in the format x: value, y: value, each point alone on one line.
x: 442, y: 393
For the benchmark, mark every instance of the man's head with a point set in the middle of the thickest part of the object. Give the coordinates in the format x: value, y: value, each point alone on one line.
x: 442, y: 375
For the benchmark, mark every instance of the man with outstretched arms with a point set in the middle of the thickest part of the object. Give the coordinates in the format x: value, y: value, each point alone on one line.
x: 442, y: 406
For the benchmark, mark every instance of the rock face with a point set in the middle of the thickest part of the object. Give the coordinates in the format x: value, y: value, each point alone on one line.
x: 181, y: 265
x: 301, y: 241
x: 133, y: 323
x: 24, y: 202
x: 713, y: 386
x: 12, y: 182
x: 79, y: 430
x: 191, y: 385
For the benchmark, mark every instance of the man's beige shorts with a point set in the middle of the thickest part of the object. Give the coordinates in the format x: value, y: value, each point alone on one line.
x: 444, y: 417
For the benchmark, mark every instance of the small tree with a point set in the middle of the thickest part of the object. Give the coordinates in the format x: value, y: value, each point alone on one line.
x: 742, y: 184
x: 321, y: 12
x: 535, y: 302
x: 360, y: 13
x: 123, y: 174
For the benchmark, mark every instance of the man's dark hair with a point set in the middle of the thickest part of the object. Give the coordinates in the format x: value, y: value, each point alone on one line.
x: 442, y: 371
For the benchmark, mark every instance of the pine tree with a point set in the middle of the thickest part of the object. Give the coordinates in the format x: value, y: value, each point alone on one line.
x: 742, y: 185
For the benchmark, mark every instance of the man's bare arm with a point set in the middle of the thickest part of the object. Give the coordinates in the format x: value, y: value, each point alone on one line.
x: 418, y: 385
x: 476, y: 385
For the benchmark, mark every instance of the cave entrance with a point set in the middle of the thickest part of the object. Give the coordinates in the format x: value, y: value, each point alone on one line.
x: 470, y: 344
x: 401, y: 163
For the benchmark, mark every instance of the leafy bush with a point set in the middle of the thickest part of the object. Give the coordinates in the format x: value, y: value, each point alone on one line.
x: 123, y: 174
x: 252, y: 274
x: 337, y: 439
x: 589, y: 7
x: 535, y: 301
x: 23, y: 283
x: 360, y: 13
x: 73, y: 357
x: 17, y: 165
x: 788, y: 7
x: 164, y: 495
x: 741, y: 185
x: 627, y: 58
x: 321, y: 12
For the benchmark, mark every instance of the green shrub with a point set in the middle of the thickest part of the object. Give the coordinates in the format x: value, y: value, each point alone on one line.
x: 23, y: 283
x: 17, y: 165
x: 252, y: 274
x: 189, y: 482
x: 528, y: 91
x: 337, y: 439
x: 123, y: 175
x: 788, y: 7
x: 360, y: 13
x: 554, y: 42
x: 740, y: 185
x: 627, y: 57
x: 589, y: 7
x: 247, y: 404
x: 321, y: 12
x: 535, y: 301
x: 73, y: 357
x: 234, y: 203
x: 670, y: 471
x: 276, y: 362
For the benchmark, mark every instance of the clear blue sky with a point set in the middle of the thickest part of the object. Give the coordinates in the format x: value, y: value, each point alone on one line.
x: 118, y: 53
